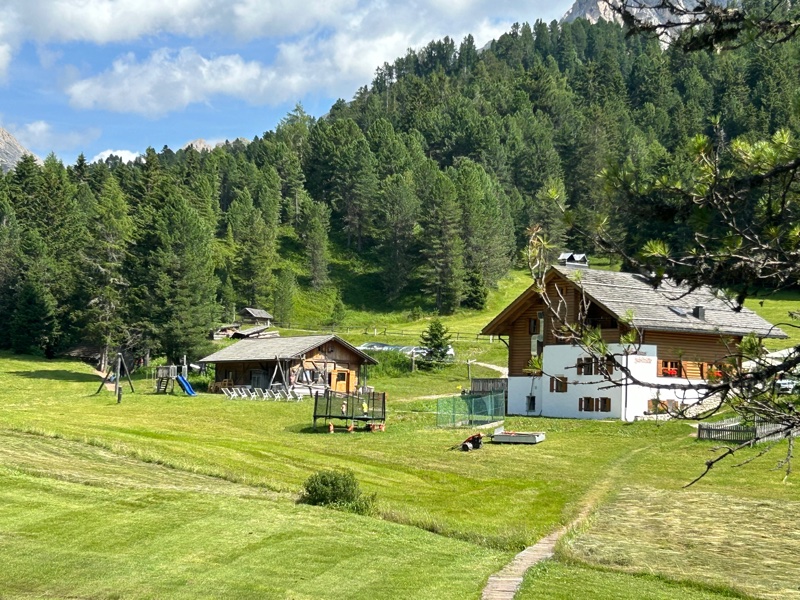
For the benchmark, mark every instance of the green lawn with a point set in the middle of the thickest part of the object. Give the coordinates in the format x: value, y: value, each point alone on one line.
x: 775, y: 309
x: 176, y: 496
x: 560, y: 581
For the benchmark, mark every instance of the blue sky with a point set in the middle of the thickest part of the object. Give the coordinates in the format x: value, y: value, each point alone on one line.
x: 94, y: 76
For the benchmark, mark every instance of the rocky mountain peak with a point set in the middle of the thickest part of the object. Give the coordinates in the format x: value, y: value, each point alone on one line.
x: 594, y: 10
x: 11, y: 151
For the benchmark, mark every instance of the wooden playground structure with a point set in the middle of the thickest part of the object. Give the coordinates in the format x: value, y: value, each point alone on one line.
x: 114, y: 375
x: 368, y: 408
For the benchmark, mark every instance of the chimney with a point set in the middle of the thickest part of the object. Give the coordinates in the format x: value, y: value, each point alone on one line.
x: 699, y: 312
x: 573, y: 259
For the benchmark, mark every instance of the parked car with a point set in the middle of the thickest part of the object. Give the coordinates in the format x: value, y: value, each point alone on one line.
x: 377, y: 346
x: 786, y: 386
x: 450, y: 355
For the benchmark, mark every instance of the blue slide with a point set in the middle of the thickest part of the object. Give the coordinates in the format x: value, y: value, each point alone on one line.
x: 186, y: 386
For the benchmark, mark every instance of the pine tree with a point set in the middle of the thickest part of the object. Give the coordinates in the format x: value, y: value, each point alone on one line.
x: 111, y: 230
x: 397, y: 219
x: 487, y: 226
x: 441, y: 242
x: 316, y: 217
x: 10, y: 265
x: 285, y: 288
x: 34, y: 326
x: 437, y: 340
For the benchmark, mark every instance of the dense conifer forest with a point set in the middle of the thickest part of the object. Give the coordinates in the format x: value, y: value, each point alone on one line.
x: 428, y: 179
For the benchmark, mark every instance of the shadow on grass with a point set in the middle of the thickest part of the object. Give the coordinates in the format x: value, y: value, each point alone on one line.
x: 322, y: 427
x: 59, y: 375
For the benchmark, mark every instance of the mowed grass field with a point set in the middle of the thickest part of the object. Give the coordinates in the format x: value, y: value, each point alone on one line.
x: 171, y: 496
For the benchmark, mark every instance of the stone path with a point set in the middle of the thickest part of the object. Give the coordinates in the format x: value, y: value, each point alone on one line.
x: 504, y: 584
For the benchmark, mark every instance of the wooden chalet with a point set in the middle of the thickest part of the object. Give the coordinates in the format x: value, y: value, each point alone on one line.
x: 681, y: 335
x: 256, y: 316
x: 303, y: 363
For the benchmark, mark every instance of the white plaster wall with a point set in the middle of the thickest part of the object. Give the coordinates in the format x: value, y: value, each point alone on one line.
x: 518, y: 390
x: 645, y: 369
x: 627, y: 400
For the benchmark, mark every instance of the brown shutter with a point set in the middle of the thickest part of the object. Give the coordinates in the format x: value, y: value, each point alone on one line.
x: 580, y: 404
x: 552, y: 384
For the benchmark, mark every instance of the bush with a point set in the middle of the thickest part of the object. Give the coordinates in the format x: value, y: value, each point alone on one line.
x: 391, y: 363
x: 338, y: 489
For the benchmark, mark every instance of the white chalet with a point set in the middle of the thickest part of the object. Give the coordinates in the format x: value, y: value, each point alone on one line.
x: 684, y: 336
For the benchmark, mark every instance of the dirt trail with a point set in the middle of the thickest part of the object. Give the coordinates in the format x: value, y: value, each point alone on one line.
x: 502, y: 370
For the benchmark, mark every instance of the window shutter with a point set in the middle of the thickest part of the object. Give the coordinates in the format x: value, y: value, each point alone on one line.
x: 566, y: 384
x: 580, y: 404
x: 552, y: 384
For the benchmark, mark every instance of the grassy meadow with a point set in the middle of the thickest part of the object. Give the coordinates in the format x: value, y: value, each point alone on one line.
x: 172, y: 496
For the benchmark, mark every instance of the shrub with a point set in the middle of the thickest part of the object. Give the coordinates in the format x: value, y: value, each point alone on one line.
x: 338, y: 489
x: 391, y: 363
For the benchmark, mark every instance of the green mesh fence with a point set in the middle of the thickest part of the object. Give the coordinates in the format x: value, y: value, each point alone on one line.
x: 469, y: 410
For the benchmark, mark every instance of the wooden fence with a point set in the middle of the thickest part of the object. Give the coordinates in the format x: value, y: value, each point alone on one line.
x: 378, y: 331
x: 489, y: 384
x: 732, y: 430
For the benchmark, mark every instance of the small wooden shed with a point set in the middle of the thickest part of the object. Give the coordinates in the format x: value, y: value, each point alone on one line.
x: 256, y: 316
x: 301, y: 363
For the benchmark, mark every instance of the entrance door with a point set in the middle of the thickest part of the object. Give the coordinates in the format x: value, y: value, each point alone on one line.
x: 340, y: 380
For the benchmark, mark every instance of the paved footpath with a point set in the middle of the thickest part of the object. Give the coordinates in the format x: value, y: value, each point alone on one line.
x: 504, y: 584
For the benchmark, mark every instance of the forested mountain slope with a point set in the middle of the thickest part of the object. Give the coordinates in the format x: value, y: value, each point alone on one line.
x: 422, y: 186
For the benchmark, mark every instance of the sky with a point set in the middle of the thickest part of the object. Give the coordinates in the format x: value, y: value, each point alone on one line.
x: 116, y: 76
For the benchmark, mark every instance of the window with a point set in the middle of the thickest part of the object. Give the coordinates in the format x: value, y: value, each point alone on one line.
x: 607, y: 366
x: 558, y: 384
x: 671, y: 368
x: 531, y: 404
x: 588, y: 404
x: 710, y: 371
x: 594, y: 366
x: 584, y: 366
x: 533, y: 326
x: 341, y: 376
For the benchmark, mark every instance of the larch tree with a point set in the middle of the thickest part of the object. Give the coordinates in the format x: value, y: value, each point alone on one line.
x: 110, y: 232
x: 441, y: 241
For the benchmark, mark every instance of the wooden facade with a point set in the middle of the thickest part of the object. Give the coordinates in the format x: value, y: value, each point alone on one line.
x: 684, y: 354
x: 695, y: 354
x: 315, y: 361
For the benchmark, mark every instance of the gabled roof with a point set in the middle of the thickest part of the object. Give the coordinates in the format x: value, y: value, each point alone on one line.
x: 256, y: 313
x: 666, y: 308
x: 279, y: 347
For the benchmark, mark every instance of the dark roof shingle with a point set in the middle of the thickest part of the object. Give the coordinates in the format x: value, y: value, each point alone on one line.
x: 278, y: 347
x: 666, y: 308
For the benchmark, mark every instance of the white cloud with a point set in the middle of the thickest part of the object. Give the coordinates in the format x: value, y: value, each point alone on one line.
x: 169, y: 81
x: 335, y: 64
x: 104, y: 21
x: 43, y: 138
x: 125, y: 155
x: 5, y: 59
